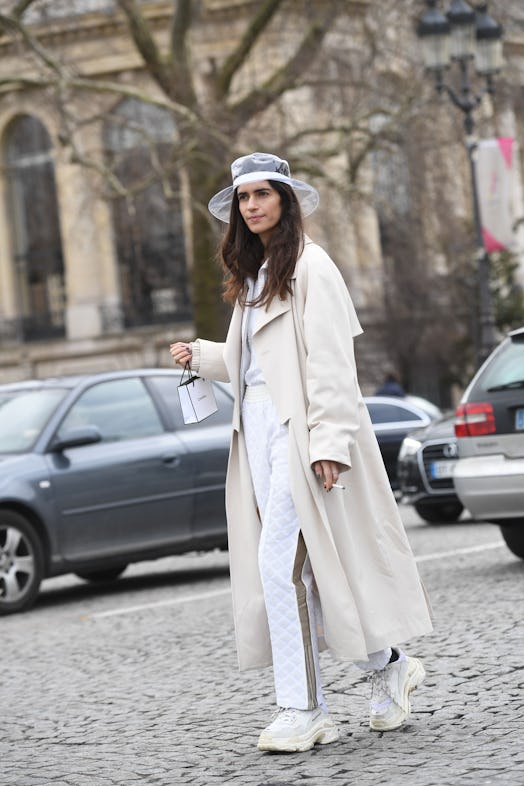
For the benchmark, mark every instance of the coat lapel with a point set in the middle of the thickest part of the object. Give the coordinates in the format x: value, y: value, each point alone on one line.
x: 276, y: 308
x: 232, y: 359
x: 233, y: 349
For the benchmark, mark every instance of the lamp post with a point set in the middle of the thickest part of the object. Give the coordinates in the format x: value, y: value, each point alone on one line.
x: 467, y: 37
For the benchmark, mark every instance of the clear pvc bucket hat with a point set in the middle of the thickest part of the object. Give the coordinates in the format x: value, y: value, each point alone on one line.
x: 261, y: 166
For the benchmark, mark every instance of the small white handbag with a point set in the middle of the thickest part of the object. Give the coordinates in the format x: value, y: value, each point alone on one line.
x: 197, y: 397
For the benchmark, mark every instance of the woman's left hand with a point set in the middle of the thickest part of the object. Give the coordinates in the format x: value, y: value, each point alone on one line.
x: 181, y: 352
x: 330, y: 470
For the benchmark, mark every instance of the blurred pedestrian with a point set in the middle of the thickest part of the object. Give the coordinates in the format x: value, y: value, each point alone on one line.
x: 390, y: 387
x: 319, y: 557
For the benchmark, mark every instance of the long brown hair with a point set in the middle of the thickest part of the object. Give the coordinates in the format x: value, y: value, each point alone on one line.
x: 242, y: 251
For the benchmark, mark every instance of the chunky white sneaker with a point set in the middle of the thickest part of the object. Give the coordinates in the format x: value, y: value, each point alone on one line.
x: 390, y: 689
x: 298, y: 730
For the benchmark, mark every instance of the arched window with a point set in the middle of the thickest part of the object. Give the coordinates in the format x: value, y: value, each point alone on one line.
x: 139, y: 140
x: 35, y: 229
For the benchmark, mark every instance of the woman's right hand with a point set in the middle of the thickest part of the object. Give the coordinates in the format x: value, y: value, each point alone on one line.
x: 181, y: 352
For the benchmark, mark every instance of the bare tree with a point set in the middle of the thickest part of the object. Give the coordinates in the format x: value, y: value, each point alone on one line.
x: 330, y: 50
x: 347, y: 59
x: 208, y: 122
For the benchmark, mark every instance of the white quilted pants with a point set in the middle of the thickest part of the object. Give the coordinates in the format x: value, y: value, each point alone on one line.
x: 284, y: 565
x: 283, y: 562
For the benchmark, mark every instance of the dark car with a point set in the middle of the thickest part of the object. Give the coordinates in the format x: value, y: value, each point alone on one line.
x: 426, y: 464
x: 489, y: 476
x: 393, y: 417
x: 99, y: 471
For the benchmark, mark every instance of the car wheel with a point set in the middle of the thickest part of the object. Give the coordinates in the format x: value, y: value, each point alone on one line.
x: 514, y: 537
x: 107, y: 574
x: 21, y: 562
x: 445, y: 513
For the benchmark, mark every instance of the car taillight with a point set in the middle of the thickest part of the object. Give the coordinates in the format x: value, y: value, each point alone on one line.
x: 475, y: 419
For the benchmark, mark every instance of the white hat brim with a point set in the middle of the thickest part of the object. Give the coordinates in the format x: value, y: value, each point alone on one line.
x: 220, y: 204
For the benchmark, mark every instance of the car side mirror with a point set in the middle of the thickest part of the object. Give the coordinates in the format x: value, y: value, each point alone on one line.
x: 76, y: 437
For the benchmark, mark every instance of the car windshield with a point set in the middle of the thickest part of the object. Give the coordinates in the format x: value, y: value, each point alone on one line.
x: 506, y: 369
x: 23, y: 415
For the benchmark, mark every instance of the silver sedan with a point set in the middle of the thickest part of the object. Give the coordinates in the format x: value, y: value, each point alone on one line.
x: 489, y: 475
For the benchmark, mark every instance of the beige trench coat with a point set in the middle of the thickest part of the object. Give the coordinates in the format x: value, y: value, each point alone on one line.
x: 368, y: 584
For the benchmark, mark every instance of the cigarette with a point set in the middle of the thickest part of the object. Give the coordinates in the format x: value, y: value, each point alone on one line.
x: 337, y: 486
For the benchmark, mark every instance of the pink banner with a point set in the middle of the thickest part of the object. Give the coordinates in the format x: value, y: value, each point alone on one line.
x: 496, y: 173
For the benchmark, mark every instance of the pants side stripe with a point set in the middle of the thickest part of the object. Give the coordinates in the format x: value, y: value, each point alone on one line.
x: 305, y: 624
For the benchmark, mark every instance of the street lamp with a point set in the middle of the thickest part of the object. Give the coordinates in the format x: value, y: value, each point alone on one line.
x: 466, y: 37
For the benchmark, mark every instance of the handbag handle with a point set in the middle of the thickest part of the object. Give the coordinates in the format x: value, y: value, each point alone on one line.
x: 190, y: 378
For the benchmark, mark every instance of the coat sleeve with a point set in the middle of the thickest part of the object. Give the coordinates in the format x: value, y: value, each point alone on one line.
x: 333, y: 394
x: 208, y: 360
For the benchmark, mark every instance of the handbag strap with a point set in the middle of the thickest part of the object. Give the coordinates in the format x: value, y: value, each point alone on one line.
x: 190, y: 377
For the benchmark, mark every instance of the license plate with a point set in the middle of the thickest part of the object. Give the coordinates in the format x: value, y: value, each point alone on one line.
x: 438, y: 470
x: 519, y: 420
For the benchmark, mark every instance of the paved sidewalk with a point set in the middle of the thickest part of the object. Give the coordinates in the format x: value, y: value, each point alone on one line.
x: 154, y: 696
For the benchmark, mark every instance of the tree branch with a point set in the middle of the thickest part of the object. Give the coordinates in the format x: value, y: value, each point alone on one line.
x: 287, y: 77
x: 179, y: 28
x: 67, y: 138
x: 159, y: 171
x: 345, y: 129
x: 20, y: 8
x: 10, y: 83
x: 65, y: 76
x: 146, y: 45
x: 237, y: 58
x: 180, y: 60
x: 13, y: 24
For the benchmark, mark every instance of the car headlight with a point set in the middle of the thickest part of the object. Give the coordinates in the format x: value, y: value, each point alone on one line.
x: 409, y: 447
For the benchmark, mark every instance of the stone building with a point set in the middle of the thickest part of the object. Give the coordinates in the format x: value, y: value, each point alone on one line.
x: 91, y: 283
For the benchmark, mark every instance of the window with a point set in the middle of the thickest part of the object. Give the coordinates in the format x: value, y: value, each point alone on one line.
x: 390, y: 413
x: 35, y: 230
x: 139, y: 140
x: 120, y: 409
x: 506, y: 368
x: 167, y: 387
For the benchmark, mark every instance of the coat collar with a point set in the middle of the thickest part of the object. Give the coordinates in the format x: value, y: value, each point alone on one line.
x: 277, y: 306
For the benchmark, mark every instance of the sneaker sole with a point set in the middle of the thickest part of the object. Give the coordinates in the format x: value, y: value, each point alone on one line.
x: 415, y: 678
x: 322, y: 734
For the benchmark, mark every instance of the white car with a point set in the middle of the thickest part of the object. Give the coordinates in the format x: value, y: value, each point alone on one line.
x: 489, y: 426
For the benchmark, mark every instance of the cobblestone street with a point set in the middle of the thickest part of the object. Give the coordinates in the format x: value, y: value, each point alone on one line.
x: 136, y: 682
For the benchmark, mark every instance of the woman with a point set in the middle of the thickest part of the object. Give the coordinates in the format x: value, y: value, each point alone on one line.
x: 319, y: 557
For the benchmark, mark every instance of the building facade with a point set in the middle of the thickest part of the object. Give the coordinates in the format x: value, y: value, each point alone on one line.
x: 94, y: 279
